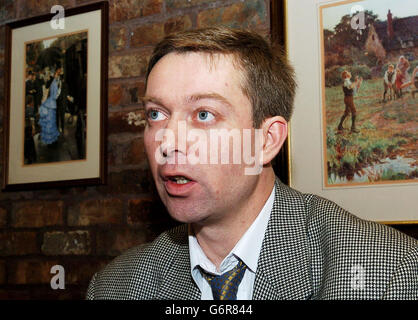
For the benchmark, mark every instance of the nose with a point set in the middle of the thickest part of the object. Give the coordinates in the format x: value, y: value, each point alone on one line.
x: 174, y: 141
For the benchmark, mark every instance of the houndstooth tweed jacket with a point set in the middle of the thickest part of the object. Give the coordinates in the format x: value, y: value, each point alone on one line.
x: 312, y: 249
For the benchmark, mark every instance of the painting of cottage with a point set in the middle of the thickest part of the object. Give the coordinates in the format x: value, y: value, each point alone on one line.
x: 390, y: 39
x: 369, y: 92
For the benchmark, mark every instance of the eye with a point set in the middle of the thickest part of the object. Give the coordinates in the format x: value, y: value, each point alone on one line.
x: 156, y: 115
x: 205, y: 116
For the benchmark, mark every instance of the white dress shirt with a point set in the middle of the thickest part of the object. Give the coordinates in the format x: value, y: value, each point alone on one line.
x: 247, y: 249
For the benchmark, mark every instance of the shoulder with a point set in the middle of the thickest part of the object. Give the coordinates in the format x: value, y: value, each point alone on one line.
x: 344, y: 246
x: 341, y: 245
x: 325, y: 215
x: 136, y: 273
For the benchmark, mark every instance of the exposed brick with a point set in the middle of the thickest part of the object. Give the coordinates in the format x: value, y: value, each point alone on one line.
x: 178, y: 4
x: 17, y: 243
x: 135, y: 90
x: 147, y: 34
x: 66, y: 243
x: 121, y: 10
x: 30, y: 271
x: 177, y: 24
x: 14, y: 294
x: 2, y: 37
x: 3, y: 217
x: 2, y: 272
x: 151, y: 214
x: 140, y: 211
x: 52, y: 194
x: 126, y: 149
x: 128, y: 182
x: 18, y: 195
x: 117, y: 38
x: 28, y: 277
x: 37, y: 214
x: 36, y: 7
x: 129, y: 65
x: 118, y: 122
x: 80, y: 271
x: 251, y: 14
x: 33, y: 271
x: 151, y: 34
x: 6, y: 10
x: 115, y: 94
x: 121, y: 94
x: 136, y: 152
x: 43, y: 292
x: 114, y: 242
x: 93, y: 212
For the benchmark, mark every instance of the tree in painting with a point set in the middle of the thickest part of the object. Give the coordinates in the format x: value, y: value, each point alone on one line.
x: 375, y: 64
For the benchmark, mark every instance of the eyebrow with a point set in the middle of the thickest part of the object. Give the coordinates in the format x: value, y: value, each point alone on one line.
x: 211, y: 96
x: 190, y: 99
x: 146, y: 99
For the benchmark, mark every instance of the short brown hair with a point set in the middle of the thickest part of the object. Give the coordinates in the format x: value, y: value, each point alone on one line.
x: 269, y: 81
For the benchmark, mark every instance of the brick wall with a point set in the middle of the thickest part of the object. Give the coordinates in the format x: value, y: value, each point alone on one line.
x: 83, y: 228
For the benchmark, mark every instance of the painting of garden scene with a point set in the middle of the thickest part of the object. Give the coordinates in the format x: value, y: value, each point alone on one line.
x: 370, y: 92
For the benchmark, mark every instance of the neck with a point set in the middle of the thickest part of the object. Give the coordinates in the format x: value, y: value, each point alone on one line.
x: 217, y: 239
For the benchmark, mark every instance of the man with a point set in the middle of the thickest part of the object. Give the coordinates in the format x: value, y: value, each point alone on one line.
x: 245, y: 235
x: 29, y: 149
x: 349, y: 89
x: 39, y: 83
x: 389, y: 82
x: 62, y: 102
x: 30, y: 89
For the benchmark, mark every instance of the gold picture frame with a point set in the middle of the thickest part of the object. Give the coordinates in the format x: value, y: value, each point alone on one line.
x: 298, y: 25
x: 56, y: 100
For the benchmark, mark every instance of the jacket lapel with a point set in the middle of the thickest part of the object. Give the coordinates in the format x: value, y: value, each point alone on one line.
x: 283, y: 270
x: 178, y: 283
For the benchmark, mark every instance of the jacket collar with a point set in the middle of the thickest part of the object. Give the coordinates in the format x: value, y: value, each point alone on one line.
x: 178, y: 283
x: 283, y: 270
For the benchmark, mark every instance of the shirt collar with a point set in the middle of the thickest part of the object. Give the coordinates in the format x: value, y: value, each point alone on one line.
x: 247, y: 249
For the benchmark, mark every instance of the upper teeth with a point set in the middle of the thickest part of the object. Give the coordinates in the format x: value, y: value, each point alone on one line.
x: 181, y: 180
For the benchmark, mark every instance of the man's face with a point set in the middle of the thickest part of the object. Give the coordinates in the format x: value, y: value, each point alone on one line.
x: 200, y: 95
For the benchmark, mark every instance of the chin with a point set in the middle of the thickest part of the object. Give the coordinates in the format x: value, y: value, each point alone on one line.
x: 184, y: 212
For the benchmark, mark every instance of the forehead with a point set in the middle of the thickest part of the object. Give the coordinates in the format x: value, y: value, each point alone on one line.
x: 180, y: 75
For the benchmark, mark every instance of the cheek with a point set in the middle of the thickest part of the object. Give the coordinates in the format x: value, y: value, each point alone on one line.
x: 150, y: 146
x: 224, y: 178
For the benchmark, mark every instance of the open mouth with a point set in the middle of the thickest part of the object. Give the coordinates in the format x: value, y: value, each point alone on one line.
x: 177, y: 184
x: 179, y: 179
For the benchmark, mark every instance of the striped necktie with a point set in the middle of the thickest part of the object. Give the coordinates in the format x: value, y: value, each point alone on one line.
x: 225, y: 286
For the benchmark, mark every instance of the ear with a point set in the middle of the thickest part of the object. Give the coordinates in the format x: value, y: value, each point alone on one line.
x: 274, y: 134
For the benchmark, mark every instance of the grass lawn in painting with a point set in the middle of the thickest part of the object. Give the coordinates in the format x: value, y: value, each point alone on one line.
x: 384, y: 149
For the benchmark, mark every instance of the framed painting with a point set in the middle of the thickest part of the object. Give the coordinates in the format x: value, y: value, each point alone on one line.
x: 353, y: 135
x: 56, y: 99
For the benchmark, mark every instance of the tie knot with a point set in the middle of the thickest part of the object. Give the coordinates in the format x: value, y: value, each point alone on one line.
x: 225, y: 286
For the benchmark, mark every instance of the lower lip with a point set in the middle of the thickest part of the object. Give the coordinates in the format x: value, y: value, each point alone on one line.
x: 176, y: 189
